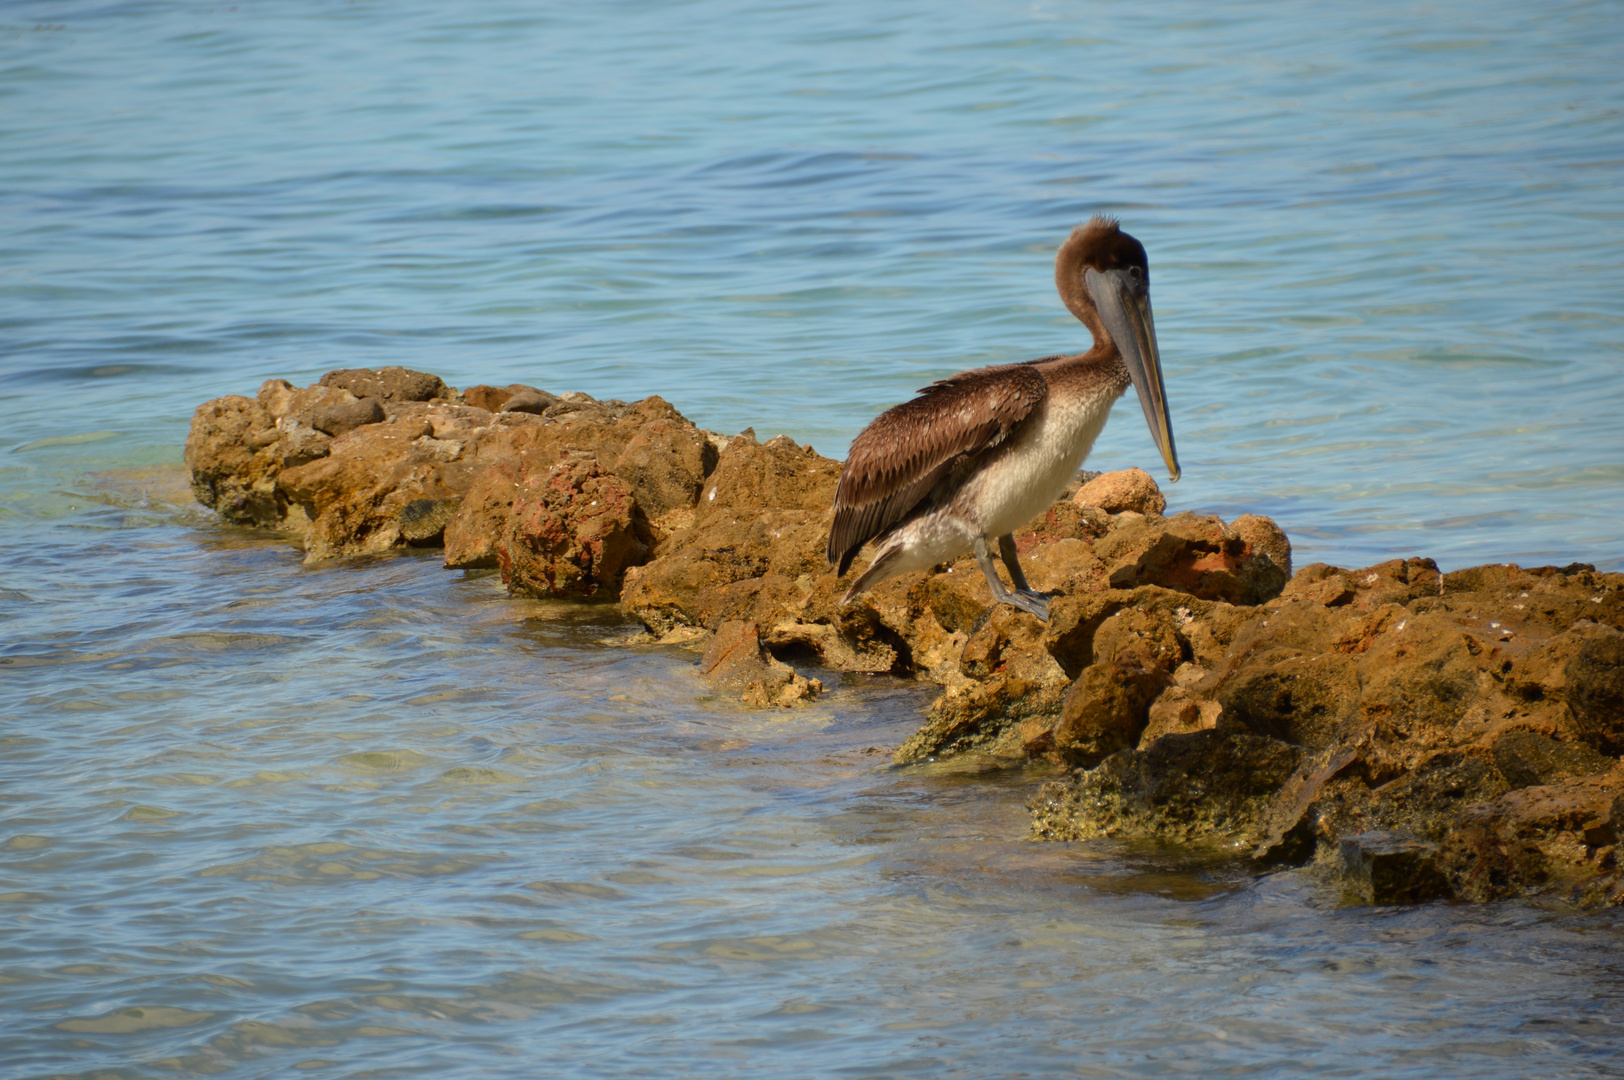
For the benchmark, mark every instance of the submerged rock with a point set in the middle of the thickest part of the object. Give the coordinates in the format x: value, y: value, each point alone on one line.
x: 1406, y: 732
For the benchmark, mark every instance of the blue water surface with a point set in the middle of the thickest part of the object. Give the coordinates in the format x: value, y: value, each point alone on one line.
x: 375, y: 819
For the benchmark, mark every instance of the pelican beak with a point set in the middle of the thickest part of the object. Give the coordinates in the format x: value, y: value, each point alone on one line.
x: 1124, y: 305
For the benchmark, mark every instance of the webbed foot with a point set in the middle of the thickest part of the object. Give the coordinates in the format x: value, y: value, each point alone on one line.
x: 1031, y: 602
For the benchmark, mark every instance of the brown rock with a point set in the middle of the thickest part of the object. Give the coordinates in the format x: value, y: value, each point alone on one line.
x: 1180, y: 656
x: 1400, y: 789
x: 486, y: 397
x: 1302, y: 699
x: 775, y: 475
x: 737, y: 663
x: 301, y: 445
x: 351, y: 499
x: 1105, y: 711
x: 1140, y: 637
x: 423, y: 521
x: 957, y: 599
x: 1003, y: 639
x: 570, y: 532
x: 1398, y: 581
x: 481, y: 519
x: 1319, y: 583
x: 527, y: 399
x: 665, y: 461
x: 1177, y: 712
x: 388, y: 384
x: 975, y: 716
x: 1200, y: 629
x: 346, y: 495
x: 231, y: 452
x: 1540, y: 600
x: 1528, y: 759
x: 342, y: 417
x: 449, y: 421
x: 1205, y: 789
x: 1262, y: 536
x: 515, y: 397
x: 1553, y: 837
x: 1417, y: 674
x: 1192, y: 554
x: 1391, y: 868
x: 1129, y: 489
x: 753, y: 551
x: 274, y: 397
x: 1593, y: 679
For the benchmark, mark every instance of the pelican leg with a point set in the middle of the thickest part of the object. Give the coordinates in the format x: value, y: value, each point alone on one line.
x: 1006, y: 550
x: 1026, y: 601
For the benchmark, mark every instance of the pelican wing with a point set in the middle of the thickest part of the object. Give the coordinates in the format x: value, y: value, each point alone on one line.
x: 906, y: 451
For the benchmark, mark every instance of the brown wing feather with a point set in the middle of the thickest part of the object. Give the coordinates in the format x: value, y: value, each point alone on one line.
x: 906, y: 451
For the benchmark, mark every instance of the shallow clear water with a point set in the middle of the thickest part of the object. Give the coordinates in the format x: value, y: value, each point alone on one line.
x: 377, y: 819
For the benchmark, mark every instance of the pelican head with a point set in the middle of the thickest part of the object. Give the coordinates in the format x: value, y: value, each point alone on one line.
x: 1104, y: 279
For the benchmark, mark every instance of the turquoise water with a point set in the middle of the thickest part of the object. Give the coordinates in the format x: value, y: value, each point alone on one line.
x: 377, y: 819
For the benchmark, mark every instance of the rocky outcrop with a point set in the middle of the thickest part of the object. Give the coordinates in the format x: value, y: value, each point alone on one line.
x: 562, y: 494
x: 1467, y: 715
x: 1409, y: 733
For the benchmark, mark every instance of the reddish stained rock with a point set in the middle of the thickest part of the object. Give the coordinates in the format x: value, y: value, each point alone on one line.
x: 1197, y: 555
x: 570, y: 531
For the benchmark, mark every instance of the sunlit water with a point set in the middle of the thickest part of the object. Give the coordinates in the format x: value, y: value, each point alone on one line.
x: 377, y: 819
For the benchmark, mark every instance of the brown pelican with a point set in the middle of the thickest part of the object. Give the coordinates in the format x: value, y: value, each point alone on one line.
x: 977, y: 455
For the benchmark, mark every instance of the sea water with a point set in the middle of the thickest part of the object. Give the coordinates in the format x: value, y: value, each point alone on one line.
x: 372, y: 818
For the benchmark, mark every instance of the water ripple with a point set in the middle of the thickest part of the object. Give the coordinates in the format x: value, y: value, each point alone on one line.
x: 374, y: 818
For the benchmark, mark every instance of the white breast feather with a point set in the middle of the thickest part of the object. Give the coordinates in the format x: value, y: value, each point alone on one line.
x: 1024, y: 481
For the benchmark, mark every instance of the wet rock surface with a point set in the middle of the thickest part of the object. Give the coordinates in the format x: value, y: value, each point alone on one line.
x: 1391, y: 868
x: 736, y: 662
x: 1408, y: 733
